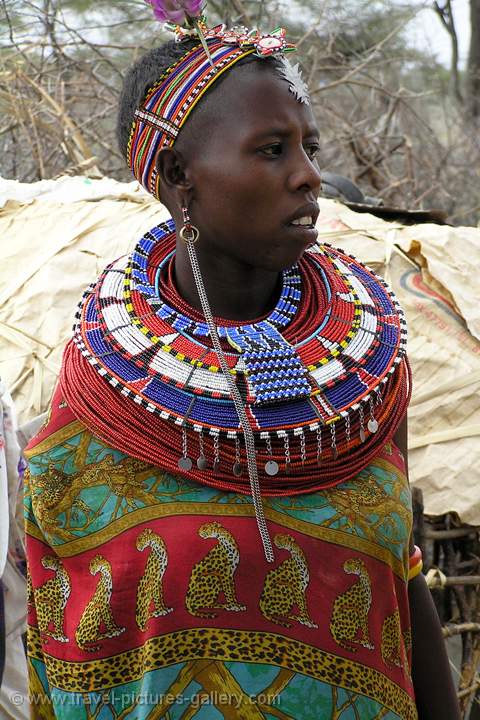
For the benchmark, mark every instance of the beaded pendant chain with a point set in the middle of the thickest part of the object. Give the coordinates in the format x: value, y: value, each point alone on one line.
x: 238, y: 402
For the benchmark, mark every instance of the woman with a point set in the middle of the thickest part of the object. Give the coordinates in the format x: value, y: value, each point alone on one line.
x: 219, y: 491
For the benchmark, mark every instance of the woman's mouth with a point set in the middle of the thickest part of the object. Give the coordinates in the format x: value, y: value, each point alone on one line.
x: 304, y: 229
x: 306, y: 221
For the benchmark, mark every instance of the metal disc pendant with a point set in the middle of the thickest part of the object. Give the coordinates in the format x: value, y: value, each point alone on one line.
x: 216, y: 465
x: 271, y: 467
x: 287, y: 468
x: 372, y: 425
x: 185, y: 463
x: 237, y: 469
x: 362, y: 435
x: 335, y: 453
x: 202, y: 462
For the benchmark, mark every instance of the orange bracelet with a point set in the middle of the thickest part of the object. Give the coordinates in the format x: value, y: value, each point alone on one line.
x: 415, y: 563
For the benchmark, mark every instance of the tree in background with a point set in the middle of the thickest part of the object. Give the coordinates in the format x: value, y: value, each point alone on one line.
x: 387, y: 115
x: 447, y: 18
x: 473, y: 68
x: 471, y: 98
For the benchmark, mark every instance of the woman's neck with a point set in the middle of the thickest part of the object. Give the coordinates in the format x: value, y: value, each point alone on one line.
x: 234, y: 291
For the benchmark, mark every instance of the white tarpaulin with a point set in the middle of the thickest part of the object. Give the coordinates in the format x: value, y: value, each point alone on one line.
x: 58, y: 235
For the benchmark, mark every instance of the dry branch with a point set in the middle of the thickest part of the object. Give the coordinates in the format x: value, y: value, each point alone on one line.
x: 59, y: 86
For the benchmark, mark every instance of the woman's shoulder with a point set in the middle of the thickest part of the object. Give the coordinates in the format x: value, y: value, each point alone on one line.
x: 60, y: 424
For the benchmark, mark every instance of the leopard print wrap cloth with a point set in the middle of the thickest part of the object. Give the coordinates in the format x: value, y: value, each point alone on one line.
x: 150, y: 597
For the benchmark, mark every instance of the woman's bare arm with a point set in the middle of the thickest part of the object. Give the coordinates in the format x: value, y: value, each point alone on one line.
x: 435, y: 693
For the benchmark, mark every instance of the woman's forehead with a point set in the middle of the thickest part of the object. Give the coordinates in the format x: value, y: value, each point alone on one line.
x: 253, y: 100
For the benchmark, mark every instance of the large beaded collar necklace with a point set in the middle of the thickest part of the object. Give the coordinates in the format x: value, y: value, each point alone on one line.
x: 323, y: 377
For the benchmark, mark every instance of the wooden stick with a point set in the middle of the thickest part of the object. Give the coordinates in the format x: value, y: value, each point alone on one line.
x: 452, y: 580
x: 471, y: 689
x: 450, y: 534
x: 457, y: 629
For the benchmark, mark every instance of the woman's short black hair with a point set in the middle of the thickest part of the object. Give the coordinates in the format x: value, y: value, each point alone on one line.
x: 146, y: 72
x: 140, y: 78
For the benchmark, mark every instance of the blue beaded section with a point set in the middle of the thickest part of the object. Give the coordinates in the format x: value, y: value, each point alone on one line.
x: 345, y: 392
x: 91, y: 313
x: 95, y: 336
x: 375, y: 289
x: 167, y: 395
x: 219, y: 413
x: 284, y: 414
x: 274, y: 369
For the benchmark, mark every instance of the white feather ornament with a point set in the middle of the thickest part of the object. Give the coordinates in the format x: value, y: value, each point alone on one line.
x: 293, y: 75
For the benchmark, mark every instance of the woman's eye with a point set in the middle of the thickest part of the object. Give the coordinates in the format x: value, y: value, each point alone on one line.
x: 312, y: 150
x: 272, y: 150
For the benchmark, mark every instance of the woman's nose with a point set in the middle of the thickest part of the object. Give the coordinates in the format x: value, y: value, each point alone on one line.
x: 305, y: 173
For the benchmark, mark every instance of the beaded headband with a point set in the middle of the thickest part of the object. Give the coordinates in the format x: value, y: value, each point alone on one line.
x: 170, y: 101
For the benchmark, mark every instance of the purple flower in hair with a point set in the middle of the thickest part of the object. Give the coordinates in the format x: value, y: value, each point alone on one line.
x: 176, y: 11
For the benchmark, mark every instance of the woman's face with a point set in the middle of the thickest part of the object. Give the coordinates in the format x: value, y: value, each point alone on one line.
x: 251, y: 160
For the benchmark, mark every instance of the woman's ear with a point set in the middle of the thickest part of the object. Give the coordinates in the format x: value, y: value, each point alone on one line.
x: 172, y: 170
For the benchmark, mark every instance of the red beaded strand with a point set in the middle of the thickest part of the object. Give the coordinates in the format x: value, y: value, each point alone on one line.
x: 131, y: 429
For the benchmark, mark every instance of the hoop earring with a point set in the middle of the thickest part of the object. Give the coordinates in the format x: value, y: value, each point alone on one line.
x: 189, y: 233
